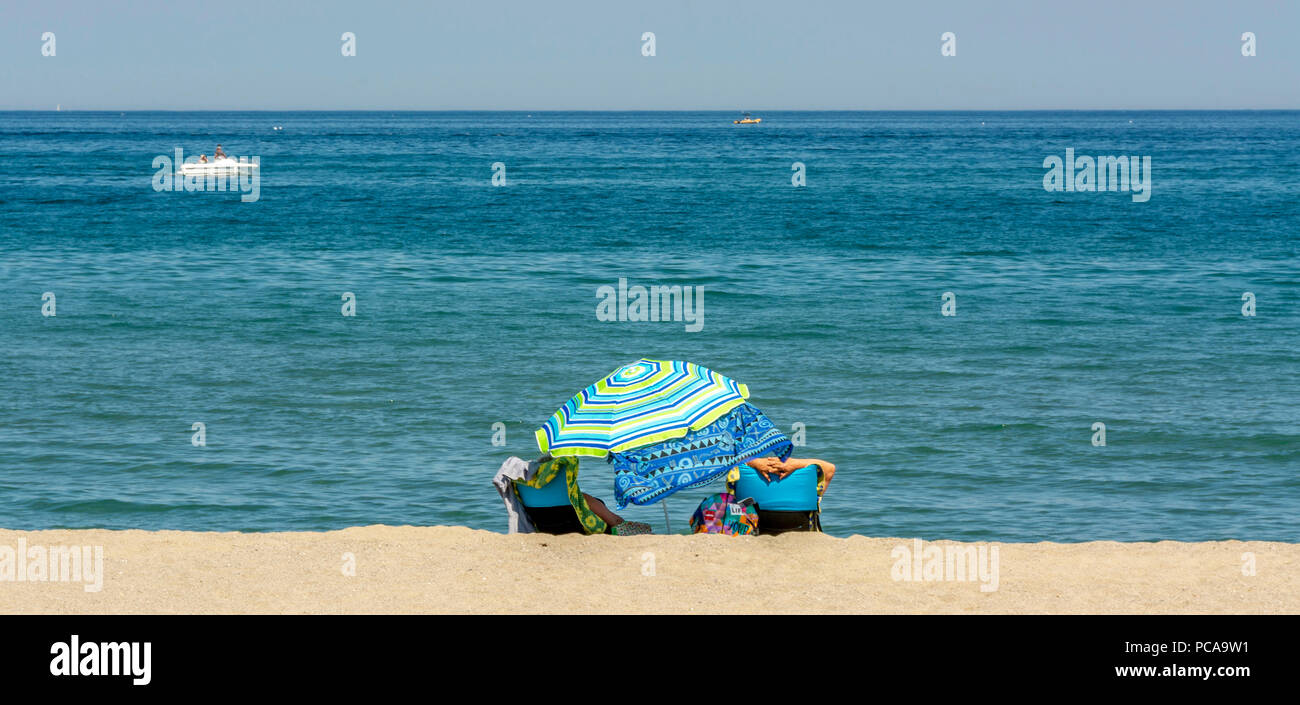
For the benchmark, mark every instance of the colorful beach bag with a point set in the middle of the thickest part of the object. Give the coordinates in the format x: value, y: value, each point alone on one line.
x: 722, y: 514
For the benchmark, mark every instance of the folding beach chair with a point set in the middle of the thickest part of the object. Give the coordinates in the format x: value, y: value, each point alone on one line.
x: 553, y: 502
x: 789, y: 504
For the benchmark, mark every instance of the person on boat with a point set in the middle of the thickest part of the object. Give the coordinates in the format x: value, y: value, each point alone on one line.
x: 203, y: 159
x: 220, y: 153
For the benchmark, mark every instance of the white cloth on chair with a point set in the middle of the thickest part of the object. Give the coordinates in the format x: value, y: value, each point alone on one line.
x: 516, y: 470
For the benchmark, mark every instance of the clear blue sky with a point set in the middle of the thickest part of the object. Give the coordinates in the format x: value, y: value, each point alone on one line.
x: 712, y: 54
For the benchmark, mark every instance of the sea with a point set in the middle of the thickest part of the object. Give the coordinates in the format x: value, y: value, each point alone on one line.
x: 983, y: 358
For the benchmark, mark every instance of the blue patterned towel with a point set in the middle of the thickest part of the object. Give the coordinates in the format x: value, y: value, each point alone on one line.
x: 650, y: 473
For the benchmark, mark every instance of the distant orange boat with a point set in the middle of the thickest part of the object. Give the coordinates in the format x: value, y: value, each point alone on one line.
x: 747, y: 120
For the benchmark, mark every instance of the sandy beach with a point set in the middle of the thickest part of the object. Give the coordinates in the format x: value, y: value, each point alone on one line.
x: 385, y: 569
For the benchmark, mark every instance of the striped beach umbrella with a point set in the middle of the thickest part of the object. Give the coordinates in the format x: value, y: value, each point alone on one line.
x: 645, y: 402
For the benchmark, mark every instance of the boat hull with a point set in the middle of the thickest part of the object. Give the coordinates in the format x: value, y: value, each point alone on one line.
x: 221, y: 166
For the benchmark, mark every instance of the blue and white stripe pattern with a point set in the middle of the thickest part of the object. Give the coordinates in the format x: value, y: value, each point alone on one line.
x: 639, y: 404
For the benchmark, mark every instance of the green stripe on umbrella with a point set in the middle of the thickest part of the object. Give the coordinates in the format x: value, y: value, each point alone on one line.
x: 646, y: 402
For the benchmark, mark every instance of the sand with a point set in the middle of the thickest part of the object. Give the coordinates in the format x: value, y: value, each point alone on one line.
x: 457, y: 570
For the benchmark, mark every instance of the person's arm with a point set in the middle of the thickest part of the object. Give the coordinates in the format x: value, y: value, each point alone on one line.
x: 792, y: 464
x: 598, y: 508
x: 766, y: 467
x: 772, y: 466
x: 828, y: 471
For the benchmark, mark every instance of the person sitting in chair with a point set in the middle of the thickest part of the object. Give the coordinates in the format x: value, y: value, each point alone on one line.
x: 543, y: 496
x: 787, y: 494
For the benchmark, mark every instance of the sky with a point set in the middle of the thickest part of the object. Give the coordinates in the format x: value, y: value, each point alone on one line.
x: 709, y: 55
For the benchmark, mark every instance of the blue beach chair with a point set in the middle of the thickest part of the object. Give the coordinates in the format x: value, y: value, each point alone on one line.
x: 553, y: 502
x: 789, y: 504
x: 548, y: 507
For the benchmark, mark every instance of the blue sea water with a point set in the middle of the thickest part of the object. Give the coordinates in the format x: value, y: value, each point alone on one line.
x: 476, y: 305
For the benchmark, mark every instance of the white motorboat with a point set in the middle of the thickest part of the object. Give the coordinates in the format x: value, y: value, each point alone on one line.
x: 224, y: 165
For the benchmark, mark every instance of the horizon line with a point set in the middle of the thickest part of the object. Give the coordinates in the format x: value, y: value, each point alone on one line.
x: 645, y: 110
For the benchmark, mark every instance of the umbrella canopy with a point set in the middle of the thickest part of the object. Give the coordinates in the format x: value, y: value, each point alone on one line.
x: 646, y: 402
x: 650, y: 473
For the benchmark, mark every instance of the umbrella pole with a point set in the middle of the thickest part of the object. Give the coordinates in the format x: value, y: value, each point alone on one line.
x: 668, y: 528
